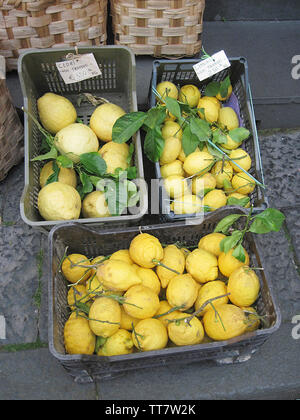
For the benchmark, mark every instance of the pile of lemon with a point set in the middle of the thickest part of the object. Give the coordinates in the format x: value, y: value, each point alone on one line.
x: 151, y: 296
x: 197, y: 181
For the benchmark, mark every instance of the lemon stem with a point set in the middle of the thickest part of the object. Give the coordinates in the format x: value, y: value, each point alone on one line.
x: 155, y: 261
x: 176, y: 308
x: 136, y: 337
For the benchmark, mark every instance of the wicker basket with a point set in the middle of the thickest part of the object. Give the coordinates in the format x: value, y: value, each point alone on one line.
x: 162, y: 28
x: 50, y: 23
x: 11, y: 130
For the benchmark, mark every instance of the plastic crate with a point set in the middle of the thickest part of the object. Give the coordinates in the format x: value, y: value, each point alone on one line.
x: 38, y: 75
x: 81, y: 239
x: 181, y: 72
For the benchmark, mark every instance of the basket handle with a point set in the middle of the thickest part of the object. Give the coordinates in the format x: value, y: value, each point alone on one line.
x: 14, y: 3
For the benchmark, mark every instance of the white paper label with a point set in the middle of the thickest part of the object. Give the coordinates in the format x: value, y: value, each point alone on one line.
x: 212, y: 65
x: 2, y: 67
x: 79, y: 68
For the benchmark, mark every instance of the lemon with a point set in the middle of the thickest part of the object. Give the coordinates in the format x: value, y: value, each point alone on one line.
x: 149, y: 279
x: 75, y: 268
x: 211, y: 109
x: 66, y: 175
x: 167, y: 89
x: 55, y: 112
x: 96, y: 261
x: 173, y: 259
x: 150, y: 334
x: 171, y: 129
x: 211, y: 243
x: 239, y: 197
x: 58, y: 201
x: 176, y: 186
x: 209, y: 291
x: 242, y: 183
x: 103, y: 119
x: 77, y: 293
x: 183, y: 334
x: 127, y: 320
x: 112, y: 147
x: 172, y: 168
x: 117, y: 344
x: 182, y: 291
x: 162, y: 313
x: 189, y: 94
x: 228, y: 118
x: 141, y: 302
x: 231, y: 144
x: 228, y: 263
x: 188, y: 204
x: 76, y: 139
x: 243, y: 286
x: 222, y: 171
x: 201, y: 185
x: 215, y: 199
x: 242, y: 158
x: 144, y: 249
x: 198, y: 163
x: 94, y: 287
x: 224, y: 98
x: 94, y: 205
x: 228, y: 322
x: 118, y: 275
x: 171, y: 150
x: 114, y: 161
x: 78, y: 337
x: 202, y: 265
x: 104, y: 317
x: 122, y: 255
x: 215, y: 100
x: 182, y: 155
x: 253, y: 321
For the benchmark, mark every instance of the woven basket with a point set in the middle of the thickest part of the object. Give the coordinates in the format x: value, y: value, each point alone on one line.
x: 11, y: 130
x: 50, y: 23
x: 162, y: 28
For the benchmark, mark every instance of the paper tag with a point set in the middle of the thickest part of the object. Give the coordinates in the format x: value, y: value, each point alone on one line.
x: 2, y: 67
x: 79, y: 68
x: 212, y: 65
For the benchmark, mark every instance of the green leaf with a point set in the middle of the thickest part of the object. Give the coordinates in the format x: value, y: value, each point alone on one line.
x: 132, y: 172
x: 52, y: 154
x: 100, y: 341
x: 93, y: 163
x: 154, y: 144
x: 87, y: 185
x: 239, y: 134
x: 64, y: 161
x: 200, y: 128
x: 239, y: 253
x: 173, y: 107
x: 94, y: 180
x: 270, y: 220
x: 189, y: 141
x: 212, y: 89
x: 130, y: 153
x: 127, y: 125
x: 224, y: 86
x: 54, y: 176
x: 224, y: 224
x: 233, y: 201
x: 155, y: 118
x: 230, y: 241
x: 219, y: 137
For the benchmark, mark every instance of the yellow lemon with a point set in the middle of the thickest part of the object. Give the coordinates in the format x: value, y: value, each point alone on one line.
x: 188, y: 204
x: 215, y: 199
x: 228, y: 322
x: 189, y: 94
x: 222, y: 171
x: 114, y: 161
x: 77, y: 293
x: 78, y: 337
x: 242, y: 183
x: 202, y: 265
x: 167, y: 89
x: 201, y: 185
x: 209, y: 291
x: 118, y: 275
x: 172, y: 168
x: 228, y: 118
x: 182, y: 291
x: 103, y: 120
x: 171, y: 129
x: 165, y: 312
x: 211, y: 243
x: 141, y: 302
x: 66, y: 175
x: 149, y: 279
x: 176, y: 186
x: 242, y: 158
x: 127, y: 321
x: 122, y: 255
x: 55, y: 112
x: 171, y: 150
x: 150, y: 334
x: 58, y: 201
x: 182, y: 155
x: 182, y: 333
x: 239, y: 197
x: 173, y: 259
x: 214, y: 100
x: 105, y: 317
x: 228, y: 263
x: 210, y: 109
x: 145, y: 249
x: 75, y: 268
x: 231, y: 144
x: 243, y: 286
x: 94, y: 205
x: 112, y: 147
x: 198, y: 163
x: 117, y: 344
x: 224, y: 98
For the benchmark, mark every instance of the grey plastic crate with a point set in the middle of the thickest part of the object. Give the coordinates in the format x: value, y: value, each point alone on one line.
x: 181, y: 72
x: 82, y: 239
x: 38, y: 75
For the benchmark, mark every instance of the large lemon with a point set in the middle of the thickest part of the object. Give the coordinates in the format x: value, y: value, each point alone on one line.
x: 215, y: 199
x: 171, y: 150
x: 201, y: 185
x: 182, y: 292
x: 189, y: 94
x: 118, y: 275
x: 141, y: 302
x: 198, y: 163
x: 223, y: 172
x: 105, y: 317
x: 187, y: 204
x: 242, y: 183
x: 112, y: 147
x: 182, y: 333
x: 176, y: 186
x: 228, y: 118
x: 210, y: 109
x: 103, y: 120
x: 167, y: 89
x: 174, y: 260
x: 243, y: 286
x: 66, y: 175
x: 55, y: 112
x: 76, y: 139
x: 202, y: 265
x: 171, y: 129
x: 118, y: 343
x: 150, y: 334
x: 209, y: 291
x: 94, y: 205
x: 172, y: 168
x: 145, y: 249
x: 242, y: 158
x: 123, y: 255
x: 58, y: 201
x: 149, y: 278
x: 75, y: 268
x: 211, y: 243
x: 228, y: 263
x: 78, y: 337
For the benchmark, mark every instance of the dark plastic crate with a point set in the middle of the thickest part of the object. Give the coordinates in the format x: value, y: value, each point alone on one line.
x: 181, y: 72
x: 38, y: 75
x: 82, y: 239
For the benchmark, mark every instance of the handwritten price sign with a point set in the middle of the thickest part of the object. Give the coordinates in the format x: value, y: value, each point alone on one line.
x: 78, y: 69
